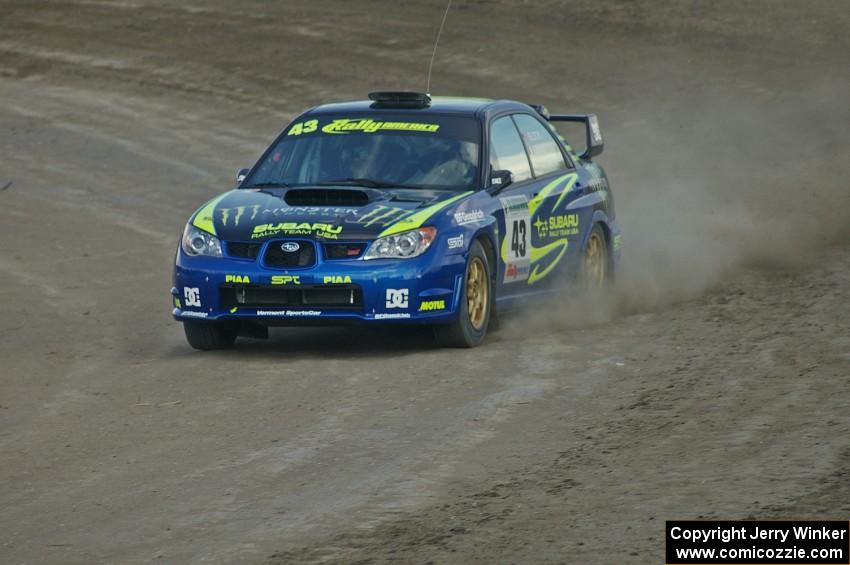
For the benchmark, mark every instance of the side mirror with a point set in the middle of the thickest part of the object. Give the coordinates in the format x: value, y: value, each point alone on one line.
x: 500, y: 179
x: 241, y: 174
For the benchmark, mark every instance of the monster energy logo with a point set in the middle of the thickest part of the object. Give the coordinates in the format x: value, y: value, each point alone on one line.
x: 237, y: 213
x: 382, y: 215
x: 232, y: 216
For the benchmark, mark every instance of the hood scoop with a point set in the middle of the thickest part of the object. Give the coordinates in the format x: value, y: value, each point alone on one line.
x: 413, y: 199
x: 326, y: 197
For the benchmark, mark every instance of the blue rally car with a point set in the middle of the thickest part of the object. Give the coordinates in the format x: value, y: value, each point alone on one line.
x: 399, y: 209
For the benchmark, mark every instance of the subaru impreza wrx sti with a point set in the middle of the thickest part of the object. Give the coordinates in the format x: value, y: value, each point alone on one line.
x: 399, y: 209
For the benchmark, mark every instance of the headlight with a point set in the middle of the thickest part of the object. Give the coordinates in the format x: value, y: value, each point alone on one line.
x: 199, y: 242
x: 402, y: 245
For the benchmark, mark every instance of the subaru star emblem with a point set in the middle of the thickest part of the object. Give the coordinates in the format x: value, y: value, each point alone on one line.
x: 290, y: 246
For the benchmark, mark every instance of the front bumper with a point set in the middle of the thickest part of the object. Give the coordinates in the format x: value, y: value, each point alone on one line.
x: 425, y: 289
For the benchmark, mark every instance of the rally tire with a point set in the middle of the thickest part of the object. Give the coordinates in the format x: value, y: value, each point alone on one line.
x: 596, y: 260
x: 208, y: 336
x: 476, y: 304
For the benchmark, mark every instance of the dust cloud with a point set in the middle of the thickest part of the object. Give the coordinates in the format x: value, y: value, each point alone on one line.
x: 718, y: 185
x: 730, y: 184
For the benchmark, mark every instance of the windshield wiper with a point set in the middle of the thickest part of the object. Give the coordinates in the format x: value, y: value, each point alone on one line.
x: 369, y: 183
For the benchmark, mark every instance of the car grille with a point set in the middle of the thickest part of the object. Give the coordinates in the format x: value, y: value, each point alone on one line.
x: 334, y: 251
x: 306, y: 296
x: 304, y: 256
x: 244, y: 250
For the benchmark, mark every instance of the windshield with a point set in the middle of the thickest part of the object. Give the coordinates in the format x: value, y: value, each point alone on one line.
x: 401, y: 150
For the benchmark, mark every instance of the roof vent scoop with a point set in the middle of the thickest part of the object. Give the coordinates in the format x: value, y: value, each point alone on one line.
x: 401, y: 99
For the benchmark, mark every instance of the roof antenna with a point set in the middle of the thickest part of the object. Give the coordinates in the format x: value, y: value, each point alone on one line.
x: 436, y: 42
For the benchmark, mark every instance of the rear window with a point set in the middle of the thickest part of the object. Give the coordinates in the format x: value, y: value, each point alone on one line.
x: 543, y: 150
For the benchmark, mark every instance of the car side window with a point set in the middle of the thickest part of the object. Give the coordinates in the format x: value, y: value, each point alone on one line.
x: 506, y: 150
x: 543, y: 150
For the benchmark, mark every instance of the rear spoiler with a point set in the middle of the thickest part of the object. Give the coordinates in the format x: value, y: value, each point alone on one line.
x: 595, y: 144
x: 591, y: 125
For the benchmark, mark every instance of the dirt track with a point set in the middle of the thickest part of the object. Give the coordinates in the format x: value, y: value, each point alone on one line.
x: 713, y: 383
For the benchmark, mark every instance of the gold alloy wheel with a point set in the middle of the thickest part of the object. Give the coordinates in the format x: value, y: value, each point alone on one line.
x: 595, y: 261
x: 477, y: 293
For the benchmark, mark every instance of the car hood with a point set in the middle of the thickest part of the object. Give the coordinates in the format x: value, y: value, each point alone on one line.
x: 315, y: 213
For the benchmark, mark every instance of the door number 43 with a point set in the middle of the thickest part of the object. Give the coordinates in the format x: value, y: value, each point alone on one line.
x: 519, y: 238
